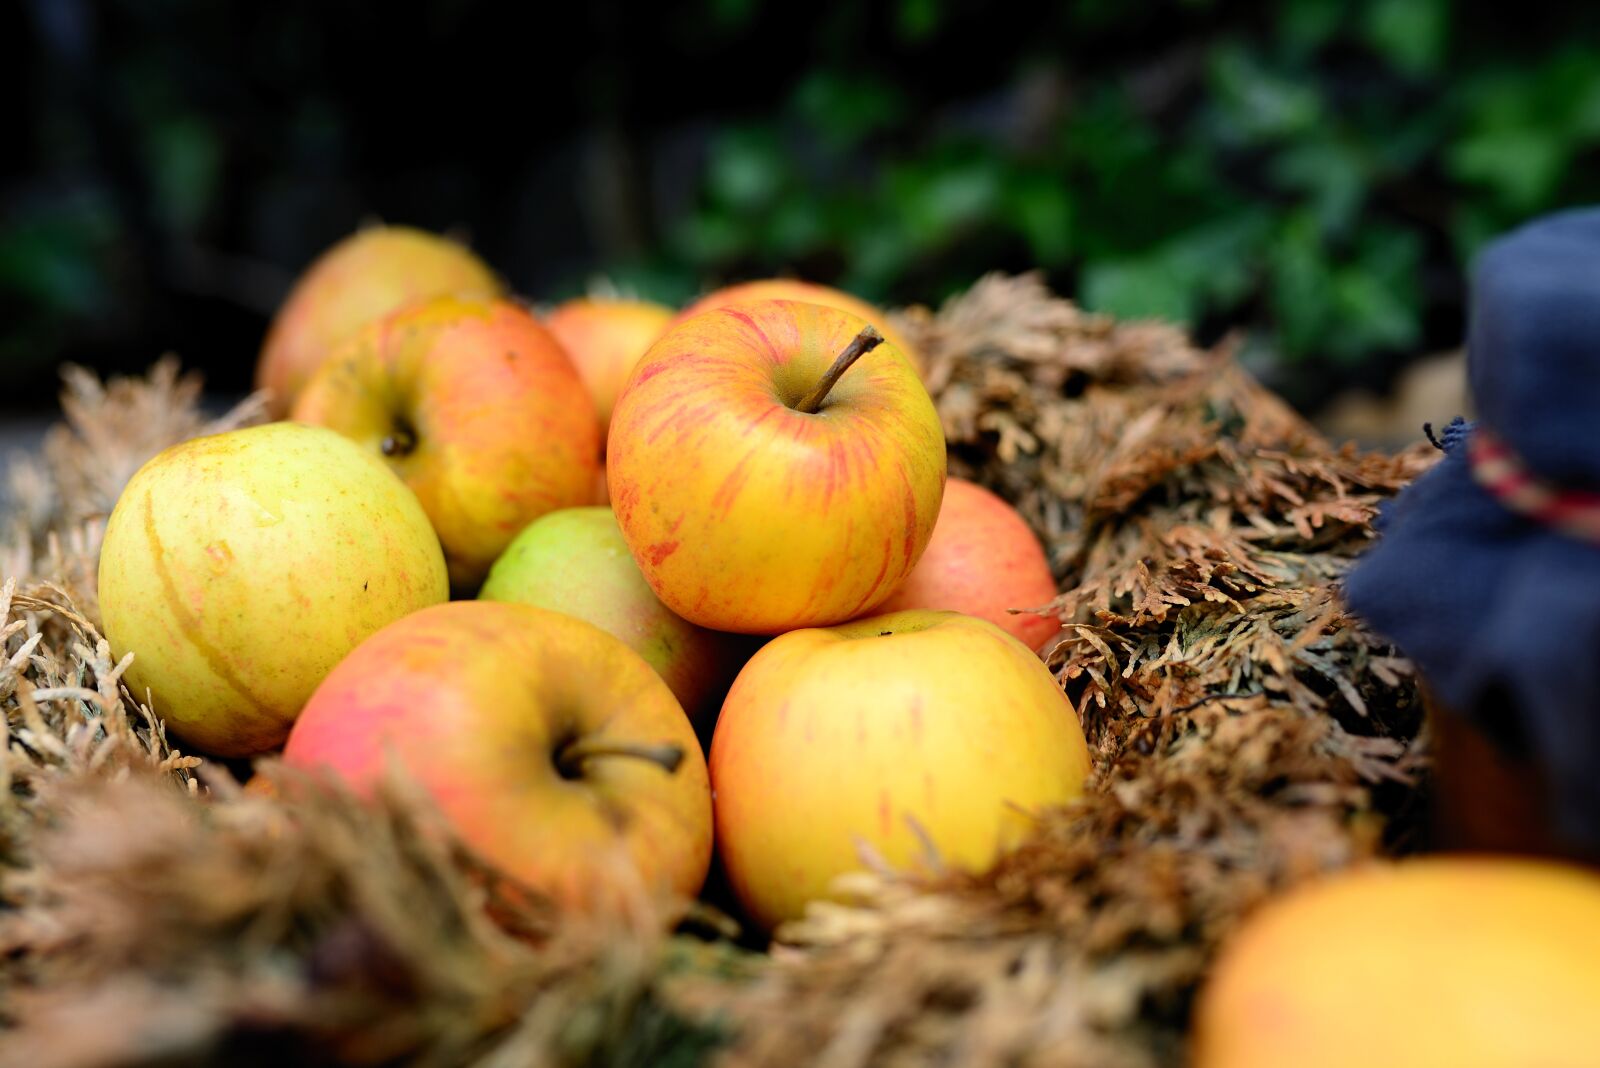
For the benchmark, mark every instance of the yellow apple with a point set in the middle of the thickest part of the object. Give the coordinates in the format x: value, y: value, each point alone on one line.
x: 477, y: 408
x: 553, y: 750
x: 605, y: 339
x: 239, y: 568
x: 1446, y: 962
x: 808, y: 293
x: 772, y: 467
x: 364, y: 277
x: 881, y: 731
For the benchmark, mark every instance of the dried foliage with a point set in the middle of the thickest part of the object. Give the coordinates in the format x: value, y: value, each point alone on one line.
x: 1247, y: 733
x: 59, y: 501
x: 1243, y: 724
x: 241, y: 931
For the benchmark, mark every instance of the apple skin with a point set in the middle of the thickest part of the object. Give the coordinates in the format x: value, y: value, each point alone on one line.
x: 747, y: 515
x: 808, y: 293
x: 369, y: 274
x: 983, y: 559
x: 239, y: 568
x: 472, y: 699
x: 575, y: 562
x: 833, y: 736
x: 605, y: 339
x: 1441, y: 962
x: 502, y: 430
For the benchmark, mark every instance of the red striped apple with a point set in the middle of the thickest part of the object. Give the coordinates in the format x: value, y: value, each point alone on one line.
x: 605, y: 339
x: 239, y: 568
x: 772, y: 466
x: 477, y: 408
x: 554, y: 752
x: 373, y: 272
x: 880, y: 732
x: 984, y: 560
x: 574, y: 561
x: 808, y: 293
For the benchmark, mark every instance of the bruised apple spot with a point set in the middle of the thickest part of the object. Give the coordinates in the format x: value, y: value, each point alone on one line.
x: 188, y: 625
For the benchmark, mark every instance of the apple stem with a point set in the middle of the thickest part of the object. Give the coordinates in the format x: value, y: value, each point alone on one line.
x: 400, y: 443
x: 570, y: 757
x: 859, y: 346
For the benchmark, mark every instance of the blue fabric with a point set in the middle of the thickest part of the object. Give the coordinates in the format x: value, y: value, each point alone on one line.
x: 1501, y: 614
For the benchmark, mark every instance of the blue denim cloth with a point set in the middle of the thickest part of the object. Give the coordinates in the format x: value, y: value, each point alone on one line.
x: 1502, y: 614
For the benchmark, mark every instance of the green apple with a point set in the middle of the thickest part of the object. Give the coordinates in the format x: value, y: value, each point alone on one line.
x: 575, y: 562
x: 239, y: 568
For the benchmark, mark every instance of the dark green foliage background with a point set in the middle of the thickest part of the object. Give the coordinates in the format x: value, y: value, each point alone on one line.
x: 1315, y: 171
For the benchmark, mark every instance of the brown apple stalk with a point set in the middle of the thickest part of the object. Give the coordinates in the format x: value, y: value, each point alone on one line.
x: 570, y: 757
x: 859, y: 346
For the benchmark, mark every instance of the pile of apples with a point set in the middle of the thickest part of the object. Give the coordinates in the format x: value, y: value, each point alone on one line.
x: 778, y: 516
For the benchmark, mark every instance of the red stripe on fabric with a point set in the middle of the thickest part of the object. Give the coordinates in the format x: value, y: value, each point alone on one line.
x: 1501, y: 472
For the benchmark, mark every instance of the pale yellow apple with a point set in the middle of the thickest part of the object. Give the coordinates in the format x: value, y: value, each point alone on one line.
x: 1444, y: 962
x: 239, y: 568
x: 880, y: 732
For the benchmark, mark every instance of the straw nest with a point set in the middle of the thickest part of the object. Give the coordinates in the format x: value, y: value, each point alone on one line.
x: 1247, y: 733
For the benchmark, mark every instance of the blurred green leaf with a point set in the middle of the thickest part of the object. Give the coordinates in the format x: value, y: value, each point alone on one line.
x: 1255, y: 103
x: 917, y: 20
x: 187, y: 166
x: 1409, y: 33
x: 1040, y: 209
x: 1520, y: 164
x: 1306, y: 25
x: 747, y: 169
x: 846, y: 109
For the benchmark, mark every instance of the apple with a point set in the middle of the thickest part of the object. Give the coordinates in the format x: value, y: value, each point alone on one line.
x: 575, y: 562
x: 553, y: 751
x: 476, y: 407
x: 1458, y: 962
x: 239, y: 568
x: 809, y: 293
x: 879, y: 732
x: 367, y: 275
x: 763, y: 479
x: 983, y: 560
x: 605, y: 339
